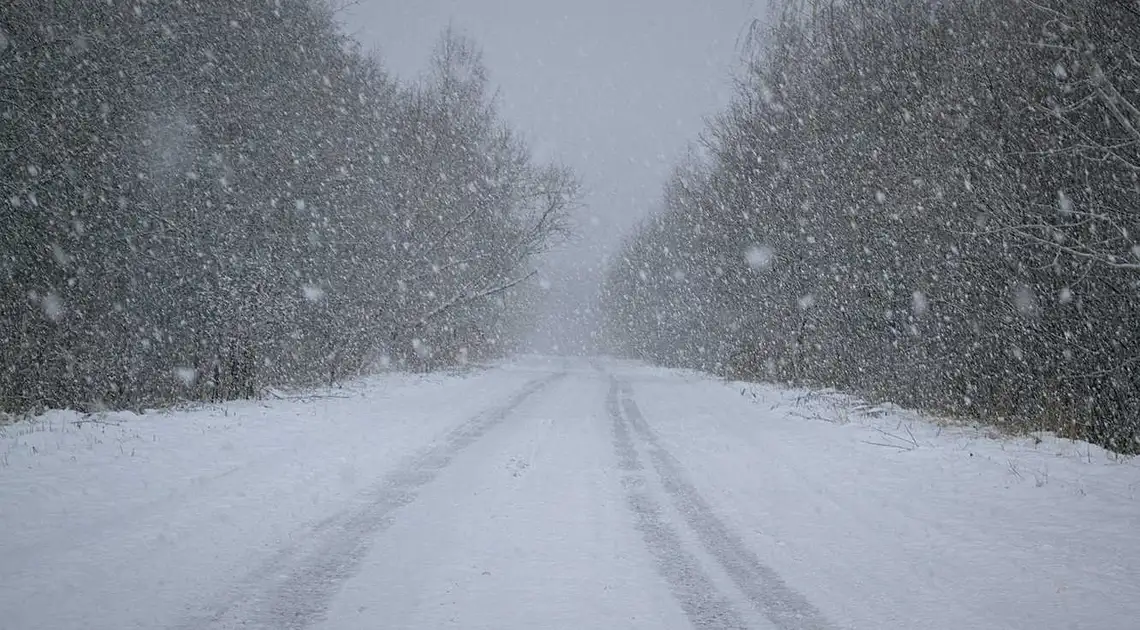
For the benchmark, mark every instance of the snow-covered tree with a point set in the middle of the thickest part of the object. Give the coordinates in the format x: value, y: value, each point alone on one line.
x: 928, y: 201
x: 198, y: 198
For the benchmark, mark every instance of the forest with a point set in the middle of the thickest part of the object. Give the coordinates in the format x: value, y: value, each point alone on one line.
x: 934, y: 203
x: 202, y: 198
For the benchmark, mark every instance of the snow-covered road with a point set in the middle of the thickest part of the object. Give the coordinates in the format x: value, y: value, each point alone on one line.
x: 558, y: 493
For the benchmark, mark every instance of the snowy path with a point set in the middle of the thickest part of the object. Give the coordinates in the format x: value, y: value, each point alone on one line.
x: 553, y: 493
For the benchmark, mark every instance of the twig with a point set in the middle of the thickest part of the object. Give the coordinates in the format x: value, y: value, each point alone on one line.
x: 907, y: 426
x: 901, y: 448
x: 893, y: 436
x: 304, y: 397
x: 83, y: 421
x: 465, y: 296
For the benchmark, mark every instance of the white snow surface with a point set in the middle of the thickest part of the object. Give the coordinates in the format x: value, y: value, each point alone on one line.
x: 559, y: 493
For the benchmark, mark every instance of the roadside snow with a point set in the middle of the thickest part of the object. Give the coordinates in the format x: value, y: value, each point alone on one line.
x: 117, y: 520
x: 885, y: 519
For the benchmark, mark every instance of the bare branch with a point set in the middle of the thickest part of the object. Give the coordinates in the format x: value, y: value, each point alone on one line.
x: 465, y: 297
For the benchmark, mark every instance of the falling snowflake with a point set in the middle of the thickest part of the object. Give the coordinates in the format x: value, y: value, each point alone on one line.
x: 53, y: 306
x: 759, y: 257
x: 806, y: 302
x: 1025, y: 301
x: 313, y: 293
x: 299, y: 205
x: 186, y: 375
x: 1065, y: 296
x: 60, y: 256
x: 880, y: 196
x: 5, y: 41
x: 919, y: 304
x: 770, y: 365
x: 767, y: 96
x: 1064, y: 202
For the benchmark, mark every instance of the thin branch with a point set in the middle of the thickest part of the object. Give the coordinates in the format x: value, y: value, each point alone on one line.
x: 1097, y: 256
x: 1113, y: 102
x: 442, y: 268
x: 901, y: 448
x: 464, y: 297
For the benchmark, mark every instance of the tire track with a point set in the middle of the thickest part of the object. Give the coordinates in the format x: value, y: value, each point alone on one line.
x: 292, y: 589
x: 703, y: 605
x: 786, y: 608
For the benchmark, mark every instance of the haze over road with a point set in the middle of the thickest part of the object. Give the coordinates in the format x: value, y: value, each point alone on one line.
x: 616, y: 90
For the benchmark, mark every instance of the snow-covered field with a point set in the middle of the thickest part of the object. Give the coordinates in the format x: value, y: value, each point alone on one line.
x: 559, y: 493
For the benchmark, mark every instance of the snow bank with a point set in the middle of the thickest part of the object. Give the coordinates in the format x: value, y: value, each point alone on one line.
x: 888, y: 519
x: 116, y: 519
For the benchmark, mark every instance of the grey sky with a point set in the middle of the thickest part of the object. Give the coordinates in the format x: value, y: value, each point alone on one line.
x: 616, y: 89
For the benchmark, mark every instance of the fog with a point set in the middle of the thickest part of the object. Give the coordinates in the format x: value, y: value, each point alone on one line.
x: 616, y: 90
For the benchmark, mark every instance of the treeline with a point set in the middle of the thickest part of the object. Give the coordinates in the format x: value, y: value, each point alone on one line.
x: 201, y: 197
x: 934, y: 202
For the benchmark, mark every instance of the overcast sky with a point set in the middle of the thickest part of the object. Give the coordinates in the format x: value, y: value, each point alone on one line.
x: 616, y: 89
